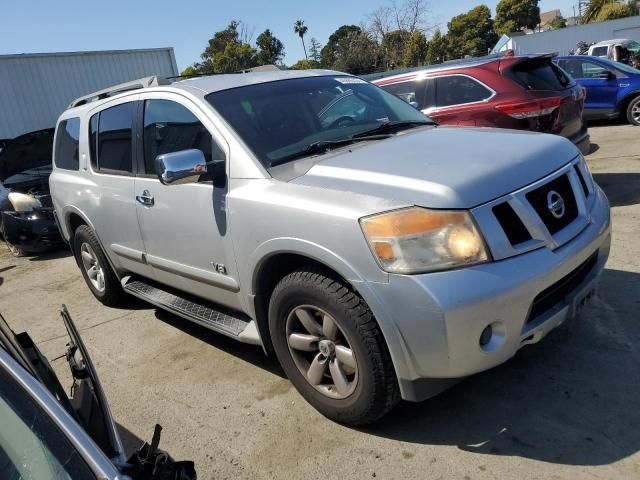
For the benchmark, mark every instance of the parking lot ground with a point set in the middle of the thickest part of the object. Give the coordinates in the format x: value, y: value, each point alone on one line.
x: 566, y: 408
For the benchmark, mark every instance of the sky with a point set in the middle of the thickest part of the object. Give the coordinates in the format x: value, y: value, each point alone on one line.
x: 30, y: 26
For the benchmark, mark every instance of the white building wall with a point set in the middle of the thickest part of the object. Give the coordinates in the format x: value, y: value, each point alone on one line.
x: 565, y: 39
x: 36, y: 88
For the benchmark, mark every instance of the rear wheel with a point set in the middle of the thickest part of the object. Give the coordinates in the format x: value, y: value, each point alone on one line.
x: 331, y: 348
x: 633, y: 111
x: 95, y: 268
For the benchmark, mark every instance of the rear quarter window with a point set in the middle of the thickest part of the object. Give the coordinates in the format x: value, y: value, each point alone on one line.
x: 540, y: 75
x: 66, y: 152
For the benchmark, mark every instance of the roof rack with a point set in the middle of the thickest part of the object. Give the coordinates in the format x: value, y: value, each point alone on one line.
x: 154, y: 81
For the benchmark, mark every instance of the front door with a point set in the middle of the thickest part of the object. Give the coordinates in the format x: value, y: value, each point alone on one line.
x: 184, y: 227
x: 600, y: 82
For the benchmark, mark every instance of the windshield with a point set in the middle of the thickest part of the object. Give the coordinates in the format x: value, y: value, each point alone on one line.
x: 278, y: 120
x: 620, y: 66
x: 633, y: 46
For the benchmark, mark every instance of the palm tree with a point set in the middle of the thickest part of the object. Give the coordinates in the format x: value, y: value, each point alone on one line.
x: 301, y: 29
x: 593, y: 9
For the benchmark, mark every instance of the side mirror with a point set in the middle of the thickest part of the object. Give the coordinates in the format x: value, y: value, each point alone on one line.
x: 608, y: 75
x: 187, y: 166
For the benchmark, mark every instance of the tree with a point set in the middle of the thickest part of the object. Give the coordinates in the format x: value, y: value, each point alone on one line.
x: 305, y: 65
x: 516, y: 15
x: 559, y: 22
x: 350, y: 49
x: 236, y: 57
x: 301, y: 29
x: 437, y: 50
x: 336, y: 44
x: 410, y: 16
x: 600, y: 10
x: 189, y: 72
x: 416, y: 50
x: 227, y: 48
x: 471, y: 33
x: 393, y: 48
x: 612, y: 11
x: 271, y: 50
x: 314, y: 50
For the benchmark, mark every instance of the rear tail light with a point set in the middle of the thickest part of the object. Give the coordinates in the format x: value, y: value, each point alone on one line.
x: 530, y: 109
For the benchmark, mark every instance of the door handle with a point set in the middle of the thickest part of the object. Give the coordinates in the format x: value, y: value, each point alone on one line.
x: 145, y: 199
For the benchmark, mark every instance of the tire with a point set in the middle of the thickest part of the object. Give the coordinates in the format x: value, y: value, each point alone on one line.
x: 633, y: 111
x: 85, y: 245
x: 372, y: 389
x: 15, y: 251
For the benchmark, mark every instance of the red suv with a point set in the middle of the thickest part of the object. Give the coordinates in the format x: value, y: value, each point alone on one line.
x: 523, y: 92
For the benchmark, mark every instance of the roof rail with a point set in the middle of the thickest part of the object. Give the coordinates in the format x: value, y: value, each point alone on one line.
x: 154, y: 81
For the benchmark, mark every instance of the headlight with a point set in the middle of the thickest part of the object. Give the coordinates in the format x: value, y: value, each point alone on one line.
x: 23, y: 202
x: 416, y: 240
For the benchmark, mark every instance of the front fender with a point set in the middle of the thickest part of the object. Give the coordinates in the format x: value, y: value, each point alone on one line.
x: 390, y: 331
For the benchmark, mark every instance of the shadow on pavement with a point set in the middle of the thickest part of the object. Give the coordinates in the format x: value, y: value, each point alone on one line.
x: 571, y: 399
x: 622, y: 189
x: 249, y: 353
x: 50, y: 255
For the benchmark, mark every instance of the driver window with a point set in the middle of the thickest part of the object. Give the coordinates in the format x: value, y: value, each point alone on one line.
x: 31, y: 446
x: 591, y: 70
x: 170, y: 127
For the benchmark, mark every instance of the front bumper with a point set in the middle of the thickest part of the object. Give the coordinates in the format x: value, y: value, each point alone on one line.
x: 433, y: 322
x: 32, y: 232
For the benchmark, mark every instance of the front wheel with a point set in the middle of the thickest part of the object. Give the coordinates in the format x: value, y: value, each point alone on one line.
x: 633, y: 111
x: 15, y: 251
x: 331, y: 348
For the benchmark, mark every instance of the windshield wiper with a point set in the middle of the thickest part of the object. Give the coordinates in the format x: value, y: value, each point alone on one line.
x: 323, y: 146
x: 390, y: 127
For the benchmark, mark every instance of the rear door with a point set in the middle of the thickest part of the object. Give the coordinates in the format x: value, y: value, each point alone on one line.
x: 113, y: 210
x: 600, y: 82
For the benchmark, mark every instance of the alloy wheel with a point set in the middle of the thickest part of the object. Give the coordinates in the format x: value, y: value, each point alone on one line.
x: 92, y: 266
x: 635, y: 112
x: 321, y: 351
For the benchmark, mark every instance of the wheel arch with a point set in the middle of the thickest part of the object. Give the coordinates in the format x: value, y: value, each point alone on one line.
x: 627, y: 99
x: 273, y: 264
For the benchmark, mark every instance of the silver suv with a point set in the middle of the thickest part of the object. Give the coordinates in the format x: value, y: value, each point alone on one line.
x: 377, y: 255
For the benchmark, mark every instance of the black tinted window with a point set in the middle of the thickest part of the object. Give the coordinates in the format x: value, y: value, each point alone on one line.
x: 67, y: 144
x: 114, y: 138
x: 458, y: 90
x: 170, y: 127
x: 540, y: 74
x: 412, y: 91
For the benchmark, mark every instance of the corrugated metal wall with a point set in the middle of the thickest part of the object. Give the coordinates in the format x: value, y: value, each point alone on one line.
x: 564, y: 40
x: 36, y: 88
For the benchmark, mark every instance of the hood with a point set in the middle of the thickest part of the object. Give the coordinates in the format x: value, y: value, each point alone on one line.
x: 29, y: 151
x: 29, y: 178
x: 444, y: 167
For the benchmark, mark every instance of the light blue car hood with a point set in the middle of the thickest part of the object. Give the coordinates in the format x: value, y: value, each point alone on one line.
x: 444, y: 167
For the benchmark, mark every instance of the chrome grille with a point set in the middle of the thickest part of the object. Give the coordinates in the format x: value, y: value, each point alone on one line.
x: 522, y: 221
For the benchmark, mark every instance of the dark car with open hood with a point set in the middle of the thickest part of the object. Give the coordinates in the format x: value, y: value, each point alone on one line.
x: 48, y: 433
x: 27, y: 221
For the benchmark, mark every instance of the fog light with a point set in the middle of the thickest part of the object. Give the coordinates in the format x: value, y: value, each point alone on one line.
x: 485, y: 336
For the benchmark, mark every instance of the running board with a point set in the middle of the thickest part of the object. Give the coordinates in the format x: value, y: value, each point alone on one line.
x: 220, y: 319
